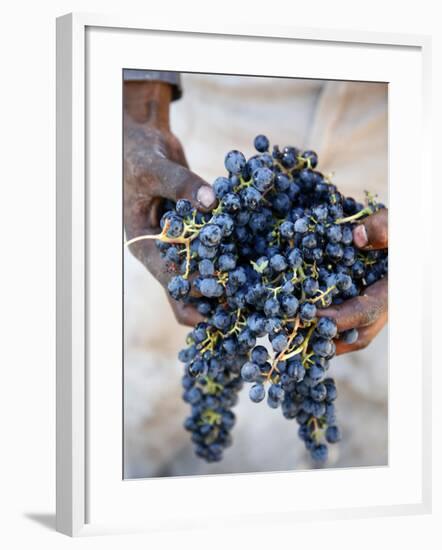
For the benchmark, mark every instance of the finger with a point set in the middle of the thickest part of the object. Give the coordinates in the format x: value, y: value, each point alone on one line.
x: 174, y: 181
x: 372, y: 232
x: 362, y: 310
x: 185, y: 314
x: 365, y: 336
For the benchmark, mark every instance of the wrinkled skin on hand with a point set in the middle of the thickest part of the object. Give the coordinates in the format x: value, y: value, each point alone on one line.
x: 155, y: 168
x: 368, y: 313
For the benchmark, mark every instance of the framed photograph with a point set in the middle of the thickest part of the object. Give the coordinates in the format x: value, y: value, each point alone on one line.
x: 226, y: 202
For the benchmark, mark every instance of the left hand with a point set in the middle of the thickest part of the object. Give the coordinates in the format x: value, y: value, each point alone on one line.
x: 368, y: 313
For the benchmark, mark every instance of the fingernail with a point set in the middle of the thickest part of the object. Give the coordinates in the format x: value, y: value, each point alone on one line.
x: 206, y: 196
x: 360, y: 236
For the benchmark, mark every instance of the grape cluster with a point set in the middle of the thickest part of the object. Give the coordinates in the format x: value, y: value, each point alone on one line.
x: 277, y: 248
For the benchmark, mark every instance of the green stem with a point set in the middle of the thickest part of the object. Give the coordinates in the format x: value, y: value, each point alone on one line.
x: 365, y: 211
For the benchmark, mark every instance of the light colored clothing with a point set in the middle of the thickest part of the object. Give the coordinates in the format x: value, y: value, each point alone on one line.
x: 346, y: 124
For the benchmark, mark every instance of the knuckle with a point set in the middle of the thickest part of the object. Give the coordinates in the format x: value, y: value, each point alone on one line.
x: 380, y: 228
x: 369, y: 309
x: 139, y: 208
x: 362, y: 344
x: 359, y: 345
x: 382, y: 234
x: 138, y: 167
x: 138, y: 164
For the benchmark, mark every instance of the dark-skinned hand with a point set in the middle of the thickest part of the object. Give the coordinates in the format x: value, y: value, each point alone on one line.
x: 368, y: 312
x: 155, y: 168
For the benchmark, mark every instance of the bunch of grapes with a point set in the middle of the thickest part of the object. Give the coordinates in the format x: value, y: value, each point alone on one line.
x: 277, y: 248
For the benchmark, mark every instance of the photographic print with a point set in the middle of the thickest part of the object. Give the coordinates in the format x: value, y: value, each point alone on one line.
x: 255, y: 274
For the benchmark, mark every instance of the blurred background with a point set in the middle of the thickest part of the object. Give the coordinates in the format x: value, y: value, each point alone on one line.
x: 346, y: 124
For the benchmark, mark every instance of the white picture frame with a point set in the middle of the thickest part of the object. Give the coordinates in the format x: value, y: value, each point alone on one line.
x: 92, y: 496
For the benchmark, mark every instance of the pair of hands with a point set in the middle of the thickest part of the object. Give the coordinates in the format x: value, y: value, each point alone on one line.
x: 155, y: 168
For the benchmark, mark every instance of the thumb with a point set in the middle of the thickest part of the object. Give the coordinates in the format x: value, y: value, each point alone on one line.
x: 174, y: 181
x: 372, y: 232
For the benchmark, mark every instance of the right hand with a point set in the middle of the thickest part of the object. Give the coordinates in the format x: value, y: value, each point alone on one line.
x: 155, y: 168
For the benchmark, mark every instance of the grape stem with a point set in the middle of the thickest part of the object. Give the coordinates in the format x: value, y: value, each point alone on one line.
x: 237, y: 325
x: 300, y: 349
x: 173, y: 240
x: 161, y: 237
x: 186, y: 273
x: 364, y: 212
x: 280, y: 356
x: 321, y: 295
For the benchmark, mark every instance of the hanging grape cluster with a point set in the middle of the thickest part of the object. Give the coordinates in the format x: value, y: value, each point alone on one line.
x: 277, y: 248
